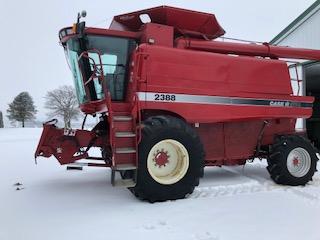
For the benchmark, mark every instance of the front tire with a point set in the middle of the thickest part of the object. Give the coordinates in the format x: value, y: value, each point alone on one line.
x: 171, y: 160
x: 292, y: 160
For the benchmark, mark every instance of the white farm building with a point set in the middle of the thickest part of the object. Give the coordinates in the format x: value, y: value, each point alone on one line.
x: 304, y: 32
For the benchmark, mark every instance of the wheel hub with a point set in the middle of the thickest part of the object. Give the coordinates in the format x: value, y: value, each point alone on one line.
x: 298, y: 162
x: 161, y: 158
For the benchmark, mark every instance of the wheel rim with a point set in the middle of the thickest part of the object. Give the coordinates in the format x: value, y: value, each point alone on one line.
x: 168, y: 161
x: 298, y: 162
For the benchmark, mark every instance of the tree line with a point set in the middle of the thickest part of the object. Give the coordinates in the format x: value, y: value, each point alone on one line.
x: 61, y: 103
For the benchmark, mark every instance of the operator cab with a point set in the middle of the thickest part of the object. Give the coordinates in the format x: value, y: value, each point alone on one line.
x: 99, y: 63
x: 113, y: 52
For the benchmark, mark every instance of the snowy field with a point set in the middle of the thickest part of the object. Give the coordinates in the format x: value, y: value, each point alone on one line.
x: 231, y: 203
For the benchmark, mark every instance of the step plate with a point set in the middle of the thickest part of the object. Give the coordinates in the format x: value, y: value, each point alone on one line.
x: 125, y: 134
x: 124, y: 183
x: 125, y: 150
x: 124, y: 167
x: 122, y: 118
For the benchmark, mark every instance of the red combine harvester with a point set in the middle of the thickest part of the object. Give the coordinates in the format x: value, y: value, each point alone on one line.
x: 172, y: 99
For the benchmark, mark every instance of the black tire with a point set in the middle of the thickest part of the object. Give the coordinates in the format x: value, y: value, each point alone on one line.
x: 278, y: 158
x: 154, y: 130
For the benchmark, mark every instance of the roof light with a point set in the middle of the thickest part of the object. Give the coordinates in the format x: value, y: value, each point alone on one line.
x: 145, y: 18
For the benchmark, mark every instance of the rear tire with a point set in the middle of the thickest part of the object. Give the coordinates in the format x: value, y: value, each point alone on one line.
x: 171, y: 160
x: 292, y: 160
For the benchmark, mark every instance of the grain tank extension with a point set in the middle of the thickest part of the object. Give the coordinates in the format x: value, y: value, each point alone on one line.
x: 172, y: 98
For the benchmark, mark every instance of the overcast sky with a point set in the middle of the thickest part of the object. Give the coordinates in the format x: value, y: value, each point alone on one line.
x: 33, y: 61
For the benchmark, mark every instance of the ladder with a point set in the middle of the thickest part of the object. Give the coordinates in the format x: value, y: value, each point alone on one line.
x: 124, y: 138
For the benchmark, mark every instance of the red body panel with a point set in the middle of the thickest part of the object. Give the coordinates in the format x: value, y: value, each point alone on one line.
x: 174, y: 71
x: 194, y: 72
x: 233, y: 142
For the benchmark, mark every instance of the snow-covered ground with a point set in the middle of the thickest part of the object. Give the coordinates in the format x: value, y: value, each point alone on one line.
x: 231, y: 203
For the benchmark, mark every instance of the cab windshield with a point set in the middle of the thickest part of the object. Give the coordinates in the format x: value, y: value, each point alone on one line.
x: 114, y: 54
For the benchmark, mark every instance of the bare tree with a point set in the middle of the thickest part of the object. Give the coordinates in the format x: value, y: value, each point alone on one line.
x: 62, y: 102
x: 22, y: 108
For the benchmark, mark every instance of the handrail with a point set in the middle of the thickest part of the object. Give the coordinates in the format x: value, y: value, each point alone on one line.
x: 85, y: 54
x: 136, y: 113
x: 297, y: 79
x: 111, y: 127
x: 137, y: 102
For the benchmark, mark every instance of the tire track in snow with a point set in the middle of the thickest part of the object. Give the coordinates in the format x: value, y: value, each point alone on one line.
x: 302, y: 192
x: 205, y: 236
x: 253, y: 186
x: 309, y: 193
x: 164, y: 226
x: 229, y: 190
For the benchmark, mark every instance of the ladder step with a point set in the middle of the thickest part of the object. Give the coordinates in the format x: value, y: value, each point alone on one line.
x: 74, y: 167
x: 125, y: 150
x: 122, y: 118
x: 124, y: 167
x: 125, y: 134
x: 128, y: 182
x: 124, y: 183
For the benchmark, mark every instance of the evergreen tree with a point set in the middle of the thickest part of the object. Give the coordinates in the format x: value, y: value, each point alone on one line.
x: 22, y: 108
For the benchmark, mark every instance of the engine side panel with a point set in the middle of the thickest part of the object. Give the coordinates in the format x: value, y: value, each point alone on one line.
x: 207, y: 87
x: 234, y: 142
x: 198, y: 72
